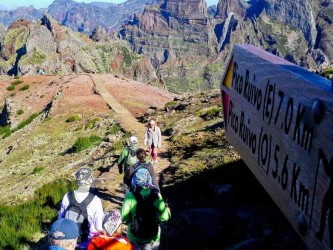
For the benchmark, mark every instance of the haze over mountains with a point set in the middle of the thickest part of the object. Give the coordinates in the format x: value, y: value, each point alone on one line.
x: 172, y: 35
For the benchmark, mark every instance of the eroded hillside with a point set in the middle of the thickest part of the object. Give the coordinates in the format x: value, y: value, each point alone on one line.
x: 64, y: 109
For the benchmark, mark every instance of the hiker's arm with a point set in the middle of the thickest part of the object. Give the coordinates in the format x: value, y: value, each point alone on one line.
x: 159, y: 138
x: 64, y: 205
x: 126, y: 208
x: 121, y: 160
x: 163, y: 209
x: 128, y: 175
x: 99, y: 215
x: 145, y: 141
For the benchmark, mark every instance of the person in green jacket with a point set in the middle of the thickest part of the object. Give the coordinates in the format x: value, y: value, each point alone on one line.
x: 128, y: 156
x: 143, y: 193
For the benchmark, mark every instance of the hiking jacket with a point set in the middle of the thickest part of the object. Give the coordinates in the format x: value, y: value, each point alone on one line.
x: 114, y: 242
x: 130, y: 171
x: 94, y: 210
x: 128, y: 210
x: 153, y: 137
x: 123, y: 156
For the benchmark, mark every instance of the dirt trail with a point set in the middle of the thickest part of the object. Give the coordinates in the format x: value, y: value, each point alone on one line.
x: 127, y: 121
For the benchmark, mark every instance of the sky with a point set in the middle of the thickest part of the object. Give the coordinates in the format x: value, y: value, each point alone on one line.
x: 11, y: 4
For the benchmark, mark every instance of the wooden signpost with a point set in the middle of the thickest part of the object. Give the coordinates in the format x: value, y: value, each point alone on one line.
x: 279, y: 117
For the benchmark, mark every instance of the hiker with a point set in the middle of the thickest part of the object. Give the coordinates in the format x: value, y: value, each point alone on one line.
x: 142, y: 210
x: 83, y: 207
x: 142, y: 163
x: 128, y: 155
x: 63, y: 234
x: 153, y: 140
x: 111, y: 238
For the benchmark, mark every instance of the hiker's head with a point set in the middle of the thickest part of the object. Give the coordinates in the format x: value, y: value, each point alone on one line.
x: 84, y: 177
x: 112, y: 223
x: 141, y: 154
x: 133, y: 140
x: 64, y: 233
x: 142, y: 179
x: 152, y: 123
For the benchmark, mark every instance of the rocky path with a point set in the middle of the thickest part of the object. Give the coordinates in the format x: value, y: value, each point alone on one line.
x: 129, y: 123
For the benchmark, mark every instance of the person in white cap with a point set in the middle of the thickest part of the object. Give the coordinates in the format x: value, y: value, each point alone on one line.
x: 153, y: 140
x: 128, y: 156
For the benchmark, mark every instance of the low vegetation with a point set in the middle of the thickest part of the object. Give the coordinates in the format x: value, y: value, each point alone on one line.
x: 74, y: 118
x: 6, y: 131
x: 83, y: 143
x: 19, y: 224
x: 25, y: 87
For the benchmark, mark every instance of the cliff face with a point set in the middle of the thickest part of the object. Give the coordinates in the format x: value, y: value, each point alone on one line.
x: 82, y: 17
x: 176, y: 35
x: 189, y: 47
x: 46, y: 47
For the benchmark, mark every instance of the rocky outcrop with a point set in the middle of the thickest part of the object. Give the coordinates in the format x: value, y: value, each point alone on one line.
x: 8, y: 115
x: 48, y: 47
x: 173, y: 34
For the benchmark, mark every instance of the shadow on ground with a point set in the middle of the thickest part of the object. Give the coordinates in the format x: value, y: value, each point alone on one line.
x: 225, y: 208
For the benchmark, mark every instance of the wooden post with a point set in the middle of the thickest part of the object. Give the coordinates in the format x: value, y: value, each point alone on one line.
x: 279, y: 118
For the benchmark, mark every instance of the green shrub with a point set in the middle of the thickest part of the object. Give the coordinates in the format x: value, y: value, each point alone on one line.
x: 10, y: 88
x: 171, y: 103
x: 19, y: 224
x: 26, y: 122
x: 25, y: 87
x: 17, y: 82
x: 114, y: 129
x: 4, y: 129
x: 37, y: 170
x: 22, y: 124
x: 83, y: 143
x: 91, y: 123
x: 74, y: 118
x: 20, y: 112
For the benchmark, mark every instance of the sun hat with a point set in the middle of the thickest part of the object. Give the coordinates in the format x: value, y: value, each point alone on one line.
x: 84, y: 176
x: 133, y: 139
x: 64, y: 229
x: 111, y: 222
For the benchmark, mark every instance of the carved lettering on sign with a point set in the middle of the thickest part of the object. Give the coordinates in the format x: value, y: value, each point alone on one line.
x: 269, y: 120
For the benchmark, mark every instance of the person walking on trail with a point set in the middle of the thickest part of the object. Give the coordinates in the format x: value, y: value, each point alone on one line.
x: 128, y: 155
x: 83, y: 207
x: 142, y: 163
x: 111, y: 238
x: 153, y: 140
x: 63, y: 235
x: 143, y: 210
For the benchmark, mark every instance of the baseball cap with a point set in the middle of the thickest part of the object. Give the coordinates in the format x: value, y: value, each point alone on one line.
x: 64, y: 229
x: 133, y: 139
x: 111, y: 222
x: 84, y: 176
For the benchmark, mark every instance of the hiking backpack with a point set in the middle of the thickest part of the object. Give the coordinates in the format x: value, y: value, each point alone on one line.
x: 77, y: 212
x: 145, y: 224
x: 131, y: 158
